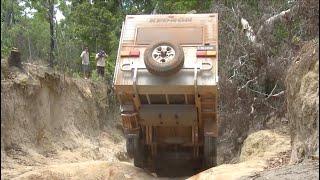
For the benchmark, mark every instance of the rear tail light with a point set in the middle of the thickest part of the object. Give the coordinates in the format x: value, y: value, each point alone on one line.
x: 206, y: 53
x: 211, y: 53
x: 131, y: 53
x: 201, y: 53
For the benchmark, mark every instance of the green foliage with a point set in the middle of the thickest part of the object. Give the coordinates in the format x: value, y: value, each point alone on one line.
x: 95, y: 25
x: 95, y: 76
x: 76, y: 75
x: 98, y: 26
x: 280, y: 35
x: 280, y: 32
x: 110, y: 65
x: 29, y: 35
x: 183, y: 6
x: 92, y: 60
x: 10, y: 17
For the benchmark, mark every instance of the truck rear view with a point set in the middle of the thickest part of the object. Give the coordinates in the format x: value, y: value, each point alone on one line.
x: 166, y: 79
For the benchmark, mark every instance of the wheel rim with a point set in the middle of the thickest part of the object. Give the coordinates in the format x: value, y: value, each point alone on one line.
x: 163, y: 54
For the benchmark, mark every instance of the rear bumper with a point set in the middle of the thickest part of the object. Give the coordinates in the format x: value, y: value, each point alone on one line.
x: 168, y: 115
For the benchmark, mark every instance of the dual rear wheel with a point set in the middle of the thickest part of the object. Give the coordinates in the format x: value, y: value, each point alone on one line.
x: 210, y: 152
x: 135, y: 149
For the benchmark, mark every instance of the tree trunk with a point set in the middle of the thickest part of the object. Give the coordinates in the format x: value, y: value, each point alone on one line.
x: 29, y: 46
x: 15, y: 58
x: 56, y: 39
x: 29, y: 42
x: 51, y: 21
x: 11, y: 17
x: 96, y: 45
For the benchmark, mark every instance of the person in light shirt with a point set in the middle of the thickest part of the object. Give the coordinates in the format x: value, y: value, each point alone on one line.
x: 85, y: 62
x: 101, y: 63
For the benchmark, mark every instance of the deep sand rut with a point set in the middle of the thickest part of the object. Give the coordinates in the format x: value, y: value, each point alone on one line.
x: 259, y: 147
x: 62, y: 128
x: 88, y: 170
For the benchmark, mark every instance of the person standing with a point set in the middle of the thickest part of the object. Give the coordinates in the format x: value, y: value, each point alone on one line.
x: 85, y: 62
x: 101, y: 62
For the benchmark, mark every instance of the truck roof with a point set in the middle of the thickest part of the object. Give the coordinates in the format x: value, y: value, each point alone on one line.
x: 182, y: 28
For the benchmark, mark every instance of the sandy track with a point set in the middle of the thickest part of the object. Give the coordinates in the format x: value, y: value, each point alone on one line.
x: 87, y: 170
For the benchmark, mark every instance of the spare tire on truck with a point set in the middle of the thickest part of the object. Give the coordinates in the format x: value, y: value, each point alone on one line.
x: 164, y: 58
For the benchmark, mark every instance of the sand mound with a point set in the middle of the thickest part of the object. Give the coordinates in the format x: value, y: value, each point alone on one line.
x: 264, y: 144
x: 87, y: 170
x: 258, y: 148
x: 48, y: 119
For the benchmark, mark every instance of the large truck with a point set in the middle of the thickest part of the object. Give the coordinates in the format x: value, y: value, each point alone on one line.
x: 166, y: 81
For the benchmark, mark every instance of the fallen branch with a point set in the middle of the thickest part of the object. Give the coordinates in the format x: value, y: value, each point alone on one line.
x: 247, y: 83
x: 278, y: 94
x: 275, y: 86
x: 240, y: 58
x: 267, y: 25
x: 252, y: 107
x: 261, y: 93
x: 264, y: 94
x: 248, y: 30
x: 234, y: 74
